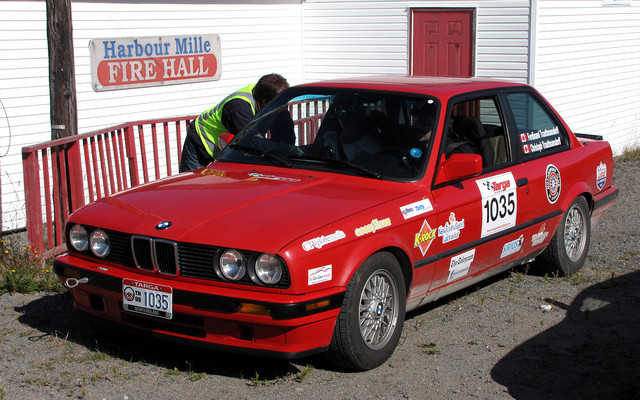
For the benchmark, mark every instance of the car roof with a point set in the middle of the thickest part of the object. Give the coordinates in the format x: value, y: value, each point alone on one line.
x: 440, y: 86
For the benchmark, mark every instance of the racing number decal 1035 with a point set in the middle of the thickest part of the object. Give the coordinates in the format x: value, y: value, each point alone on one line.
x: 499, y: 203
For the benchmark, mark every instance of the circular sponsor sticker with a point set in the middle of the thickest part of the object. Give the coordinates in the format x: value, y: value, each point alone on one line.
x: 552, y: 183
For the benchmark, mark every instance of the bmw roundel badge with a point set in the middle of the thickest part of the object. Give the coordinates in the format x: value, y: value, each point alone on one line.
x: 163, y: 225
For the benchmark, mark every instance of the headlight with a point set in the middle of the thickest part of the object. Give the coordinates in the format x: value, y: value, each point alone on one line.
x: 268, y: 269
x: 79, y: 238
x: 232, y: 265
x: 99, y: 242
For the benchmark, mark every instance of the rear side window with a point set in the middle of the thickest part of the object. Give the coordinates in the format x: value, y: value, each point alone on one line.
x: 538, y: 132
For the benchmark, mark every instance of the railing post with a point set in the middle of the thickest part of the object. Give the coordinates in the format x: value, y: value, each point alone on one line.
x: 76, y: 183
x: 129, y: 139
x: 31, y: 172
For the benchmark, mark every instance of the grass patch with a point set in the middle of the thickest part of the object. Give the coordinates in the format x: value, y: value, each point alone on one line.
x: 22, y: 271
x: 429, y: 349
x: 629, y: 155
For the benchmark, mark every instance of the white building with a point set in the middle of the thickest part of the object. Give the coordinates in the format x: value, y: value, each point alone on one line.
x: 584, y: 56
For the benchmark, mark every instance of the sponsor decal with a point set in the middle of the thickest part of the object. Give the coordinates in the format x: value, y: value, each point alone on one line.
x: 451, y: 229
x: 319, y: 275
x: 540, y: 140
x: 552, y: 183
x: 538, y: 238
x: 415, y: 209
x: 512, y: 247
x: 317, y: 243
x: 129, y: 293
x: 424, y: 238
x: 373, y: 226
x: 460, y: 264
x: 601, y: 175
x: 499, y: 203
x: 207, y: 171
x: 273, y: 177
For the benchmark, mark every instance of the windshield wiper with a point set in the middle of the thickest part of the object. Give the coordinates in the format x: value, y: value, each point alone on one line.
x: 259, y: 152
x: 362, y: 170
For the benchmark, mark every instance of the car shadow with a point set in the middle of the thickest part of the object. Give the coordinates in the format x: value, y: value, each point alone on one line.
x: 53, y: 316
x: 594, y: 353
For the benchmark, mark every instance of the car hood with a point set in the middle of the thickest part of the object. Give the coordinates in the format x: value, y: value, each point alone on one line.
x: 229, y: 205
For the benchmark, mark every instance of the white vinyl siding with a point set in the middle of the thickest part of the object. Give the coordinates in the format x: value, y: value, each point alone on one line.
x: 349, y: 38
x: 587, y: 63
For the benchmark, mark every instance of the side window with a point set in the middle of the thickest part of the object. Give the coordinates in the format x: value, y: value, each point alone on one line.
x: 538, y: 132
x: 476, y: 127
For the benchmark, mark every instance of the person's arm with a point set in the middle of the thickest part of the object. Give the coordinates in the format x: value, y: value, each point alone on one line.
x: 236, y: 114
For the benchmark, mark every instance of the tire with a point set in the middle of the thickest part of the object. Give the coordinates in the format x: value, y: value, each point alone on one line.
x: 372, y: 315
x: 569, y: 246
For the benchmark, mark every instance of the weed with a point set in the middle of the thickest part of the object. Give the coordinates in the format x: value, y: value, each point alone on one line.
x: 429, y: 349
x: 197, y: 376
x: 629, y: 155
x: 172, y: 372
x: 22, y: 271
x: 576, y: 279
x: 300, y: 377
x: 255, y: 379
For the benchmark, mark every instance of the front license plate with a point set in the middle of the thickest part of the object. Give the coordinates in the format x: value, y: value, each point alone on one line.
x: 147, y: 298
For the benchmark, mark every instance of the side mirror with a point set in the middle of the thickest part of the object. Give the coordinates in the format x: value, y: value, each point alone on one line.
x: 224, y: 139
x: 459, y: 166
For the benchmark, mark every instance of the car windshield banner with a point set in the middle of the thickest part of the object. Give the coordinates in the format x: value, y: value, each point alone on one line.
x: 124, y: 63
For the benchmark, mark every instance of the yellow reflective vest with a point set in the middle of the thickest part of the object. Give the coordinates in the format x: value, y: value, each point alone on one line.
x: 209, y: 124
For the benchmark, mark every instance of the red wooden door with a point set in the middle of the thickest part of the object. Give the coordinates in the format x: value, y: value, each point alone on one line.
x: 442, y: 42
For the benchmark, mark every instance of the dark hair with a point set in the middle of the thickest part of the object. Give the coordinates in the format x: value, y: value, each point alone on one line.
x: 268, y: 87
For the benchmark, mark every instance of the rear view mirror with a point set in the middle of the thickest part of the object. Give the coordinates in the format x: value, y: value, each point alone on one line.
x: 459, y: 166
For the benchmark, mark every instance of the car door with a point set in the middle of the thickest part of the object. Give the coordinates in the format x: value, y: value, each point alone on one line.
x: 539, y: 139
x: 477, y: 216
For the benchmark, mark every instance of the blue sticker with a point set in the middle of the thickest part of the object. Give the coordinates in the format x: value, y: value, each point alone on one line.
x: 416, y: 153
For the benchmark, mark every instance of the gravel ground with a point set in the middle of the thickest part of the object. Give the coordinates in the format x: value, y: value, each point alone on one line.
x: 491, y: 342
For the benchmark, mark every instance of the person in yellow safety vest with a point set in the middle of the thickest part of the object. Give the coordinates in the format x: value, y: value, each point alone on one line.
x: 203, y: 142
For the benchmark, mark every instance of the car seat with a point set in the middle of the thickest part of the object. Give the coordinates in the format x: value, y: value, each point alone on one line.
x: 471, y: 129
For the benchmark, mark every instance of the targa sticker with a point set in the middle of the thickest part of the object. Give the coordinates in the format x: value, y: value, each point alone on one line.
x: 499, y: 203
x: 552, y: 183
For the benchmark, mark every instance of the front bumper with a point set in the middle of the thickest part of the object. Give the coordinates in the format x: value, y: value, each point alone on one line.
x: 253, y: 322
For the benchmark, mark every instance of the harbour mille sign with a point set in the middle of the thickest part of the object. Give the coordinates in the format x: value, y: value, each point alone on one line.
x: 124, y: 63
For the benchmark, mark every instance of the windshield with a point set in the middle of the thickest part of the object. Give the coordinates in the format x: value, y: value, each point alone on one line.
x: 381, y: 135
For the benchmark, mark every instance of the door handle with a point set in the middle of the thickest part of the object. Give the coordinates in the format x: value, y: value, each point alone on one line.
x: 522, y: 182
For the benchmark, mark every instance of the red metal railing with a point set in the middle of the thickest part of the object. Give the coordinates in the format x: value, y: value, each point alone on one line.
x: 65, y: 174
